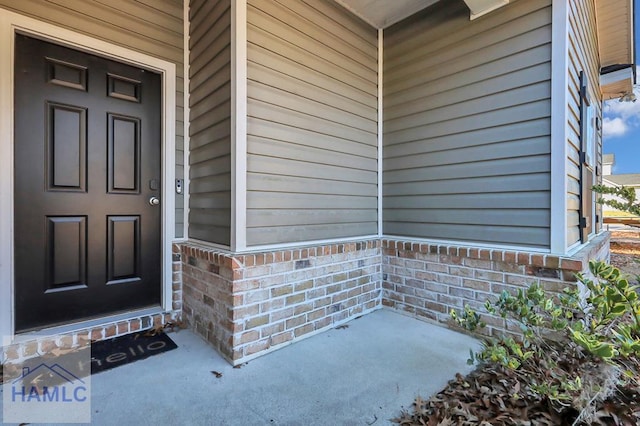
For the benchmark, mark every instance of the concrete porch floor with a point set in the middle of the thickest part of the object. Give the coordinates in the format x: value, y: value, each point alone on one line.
x: 359, y: 375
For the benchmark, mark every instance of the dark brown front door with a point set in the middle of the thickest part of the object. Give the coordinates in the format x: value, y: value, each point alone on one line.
x: 87, y: 162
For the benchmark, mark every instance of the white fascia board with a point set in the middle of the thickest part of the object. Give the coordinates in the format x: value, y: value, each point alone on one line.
x: 616, y: 76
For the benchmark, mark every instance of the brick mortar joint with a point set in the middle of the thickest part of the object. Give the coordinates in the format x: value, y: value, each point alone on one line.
x: 574, y: 263
x: 237, y: 258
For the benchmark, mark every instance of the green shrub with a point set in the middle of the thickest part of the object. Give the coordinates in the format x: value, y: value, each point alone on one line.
x: 573, y: 347
x: 628, y: 196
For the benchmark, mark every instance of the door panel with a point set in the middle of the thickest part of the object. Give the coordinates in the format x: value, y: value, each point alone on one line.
x: 66, y: 253
x: 87, y: 147
x: 124, y: 249
x: 66, y: 139
x: 124, y: 154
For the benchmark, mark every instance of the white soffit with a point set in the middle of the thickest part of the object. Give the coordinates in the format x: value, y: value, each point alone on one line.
x: 482, y: 7
x: 384, y: 13
x: 615, y: 27
x: 615, y: 32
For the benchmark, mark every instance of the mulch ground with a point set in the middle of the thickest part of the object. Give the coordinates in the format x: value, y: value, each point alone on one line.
x: 491, y: 396
x: 625, y: 254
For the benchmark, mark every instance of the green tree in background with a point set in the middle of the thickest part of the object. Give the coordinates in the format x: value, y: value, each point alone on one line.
x: 628, y: 195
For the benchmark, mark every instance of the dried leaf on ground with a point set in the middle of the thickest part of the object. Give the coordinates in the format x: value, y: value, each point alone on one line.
x: 492, y: 395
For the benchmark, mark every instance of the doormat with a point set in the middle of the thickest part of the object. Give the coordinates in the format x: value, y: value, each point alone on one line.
x: 108, y: 354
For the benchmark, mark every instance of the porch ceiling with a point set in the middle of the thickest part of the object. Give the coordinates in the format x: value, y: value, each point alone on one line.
x: 383, y: 13
x: 616, y: 44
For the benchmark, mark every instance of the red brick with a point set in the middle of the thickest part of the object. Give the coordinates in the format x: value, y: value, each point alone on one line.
x: 478, y: 264
x: 295, y: 299
x: 437, y: 307
x: 510, y: 257
x: 461, y: 292
x: 489, y: 275
x: 449, y: 300
x: 305, y: 285
x: 281, y: 338
x: 497, y: 255
x: 307, y: 328
x: 301, y: 309
x: 30, y: 349
x: 254, y: 348
x: 321, y: 302
x: 134, y: 325
x: 245, y: 285
x: 282, y: 314
x: 552, y: 262
x: 339, y: 297
x: 11, y: 354
x: 571, y: 265
x: 47, y: 346
x: 508, y: 267
x: 249, y: 336
x: 484, y: 254
x: 295, y: 322
x: 519, y: 280
x: 66, y: 341
x: 96, y: 334
x: 414, y: 301
x: 256, y: 322
x: 246, y: 311
x: 317, y: 314
x: 537, y: 260
x: 123, y: 327
x: 271, y: 305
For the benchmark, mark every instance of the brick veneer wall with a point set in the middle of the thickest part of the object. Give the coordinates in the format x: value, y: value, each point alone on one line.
x: 429, y: 280
x: 246, y: 305
x: 84, y: 336
x: 249, y: 304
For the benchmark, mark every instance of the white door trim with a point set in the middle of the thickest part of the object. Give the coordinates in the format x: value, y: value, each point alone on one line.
x: 11, y: 22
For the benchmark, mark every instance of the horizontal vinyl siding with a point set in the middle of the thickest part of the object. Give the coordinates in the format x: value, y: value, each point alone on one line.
x: 210, y: 121
x: 312, y: 123
x: 152, y: 27
x: 466, y: 151
x: 583, y: 56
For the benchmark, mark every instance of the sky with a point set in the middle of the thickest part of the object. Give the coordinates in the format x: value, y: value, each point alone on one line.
x: 621, y: 133
x: 621, y: 127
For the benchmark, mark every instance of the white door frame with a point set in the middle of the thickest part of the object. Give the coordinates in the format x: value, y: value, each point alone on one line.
x: 11, y: 22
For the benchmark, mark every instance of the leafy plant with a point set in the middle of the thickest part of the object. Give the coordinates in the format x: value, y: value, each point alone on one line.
x: 565, y: 340
x: 628, y: 195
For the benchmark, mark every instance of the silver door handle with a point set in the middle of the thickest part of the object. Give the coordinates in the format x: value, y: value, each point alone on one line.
x: 154, y: 201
